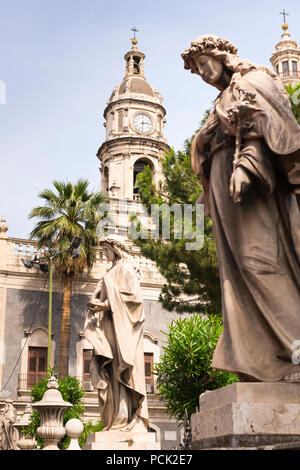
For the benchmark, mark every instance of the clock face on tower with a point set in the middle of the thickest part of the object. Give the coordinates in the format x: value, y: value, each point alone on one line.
x: 142, y: 123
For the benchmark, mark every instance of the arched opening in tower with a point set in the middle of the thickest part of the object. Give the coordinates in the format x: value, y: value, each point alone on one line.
x: 136, y: 64
x: 139, y: 167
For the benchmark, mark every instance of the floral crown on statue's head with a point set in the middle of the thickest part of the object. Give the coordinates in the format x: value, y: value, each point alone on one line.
x: 116, y: 243
x: 207, y: 44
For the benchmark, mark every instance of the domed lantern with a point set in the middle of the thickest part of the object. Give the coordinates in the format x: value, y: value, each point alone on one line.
x: 51, y: 408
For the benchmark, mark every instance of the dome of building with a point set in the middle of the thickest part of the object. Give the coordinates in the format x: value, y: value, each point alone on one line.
x: 136, y: 85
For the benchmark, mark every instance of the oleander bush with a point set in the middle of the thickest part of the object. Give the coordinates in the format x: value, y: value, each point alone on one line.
x: 184, y: 371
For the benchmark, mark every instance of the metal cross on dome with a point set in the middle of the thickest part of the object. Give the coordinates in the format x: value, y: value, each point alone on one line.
x: 134, y: 31
x: 284, y: 14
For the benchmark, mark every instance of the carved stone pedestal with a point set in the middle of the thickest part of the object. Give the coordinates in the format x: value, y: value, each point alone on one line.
x: 248, y: 416
x: 121, y: 440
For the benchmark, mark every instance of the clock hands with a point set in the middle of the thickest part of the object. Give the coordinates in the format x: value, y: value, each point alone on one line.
x: 143, y: 123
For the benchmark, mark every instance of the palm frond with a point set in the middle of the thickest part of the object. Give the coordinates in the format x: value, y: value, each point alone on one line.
x: 43, y: 212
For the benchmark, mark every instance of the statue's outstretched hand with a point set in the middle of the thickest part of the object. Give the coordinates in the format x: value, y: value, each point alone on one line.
x: 239, y: 184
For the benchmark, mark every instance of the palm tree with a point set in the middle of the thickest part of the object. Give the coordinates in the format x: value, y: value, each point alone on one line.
x: 69, y: 211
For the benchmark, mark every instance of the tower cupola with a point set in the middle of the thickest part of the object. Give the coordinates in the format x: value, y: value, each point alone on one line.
x: 286, y: 59
x: 134, y: 61
x: 134, y: 122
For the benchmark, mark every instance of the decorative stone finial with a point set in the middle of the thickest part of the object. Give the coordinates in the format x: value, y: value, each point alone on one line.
x: 27, y: 442
x: 3, y: 228
x: 28, y: 408
x: 74, y: 428
x: 52, y: 382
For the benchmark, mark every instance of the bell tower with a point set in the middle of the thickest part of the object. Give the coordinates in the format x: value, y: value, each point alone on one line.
x: 134, y: 122
x: 286, y: 59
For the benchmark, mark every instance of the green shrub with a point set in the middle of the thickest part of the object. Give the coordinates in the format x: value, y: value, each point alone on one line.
x: 89, y: 427
x: 294, y: 92
x: 184, y: 371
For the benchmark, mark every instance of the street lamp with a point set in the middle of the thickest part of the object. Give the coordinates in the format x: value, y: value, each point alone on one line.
x: 45, y: 265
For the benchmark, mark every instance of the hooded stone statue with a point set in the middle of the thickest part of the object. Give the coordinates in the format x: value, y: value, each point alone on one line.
x: 117, y: 367
x: 247, y: 156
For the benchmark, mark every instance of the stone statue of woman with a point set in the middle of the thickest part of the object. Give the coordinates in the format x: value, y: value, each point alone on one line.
x: 8, y: 434
x: 247, y: 157
x: 114, y: 327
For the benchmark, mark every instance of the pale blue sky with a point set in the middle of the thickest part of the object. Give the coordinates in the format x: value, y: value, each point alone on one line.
x: 61, y: 59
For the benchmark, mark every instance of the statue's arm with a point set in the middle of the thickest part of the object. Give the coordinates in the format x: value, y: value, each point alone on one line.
x: 99, y: 301
x: 97, y: 291
x: 254, y: 167
x: 96, y: 305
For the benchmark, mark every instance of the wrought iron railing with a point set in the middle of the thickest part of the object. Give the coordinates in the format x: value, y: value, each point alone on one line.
x: 27, y: 381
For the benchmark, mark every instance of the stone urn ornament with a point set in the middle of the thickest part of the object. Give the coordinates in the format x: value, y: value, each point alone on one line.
x: 25, y: 442
x: 51, y: 409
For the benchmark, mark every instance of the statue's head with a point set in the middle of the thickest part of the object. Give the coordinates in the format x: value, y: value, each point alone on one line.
x: 211, y: 57
x: 114, y: 247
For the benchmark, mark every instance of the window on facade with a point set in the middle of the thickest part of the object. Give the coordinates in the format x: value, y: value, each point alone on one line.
x: 285, y: 68
x: 37, y: 365
x: 277, y: 69
x: 120, y: 120
x: 148, y: 359
x: 294, y: 65
x: 86, y: 375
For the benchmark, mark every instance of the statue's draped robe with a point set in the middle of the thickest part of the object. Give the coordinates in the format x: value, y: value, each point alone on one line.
x: 117, y: 367
x: 258, y: 240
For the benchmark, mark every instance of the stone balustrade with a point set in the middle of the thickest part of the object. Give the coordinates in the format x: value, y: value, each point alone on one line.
x: 12, y: 250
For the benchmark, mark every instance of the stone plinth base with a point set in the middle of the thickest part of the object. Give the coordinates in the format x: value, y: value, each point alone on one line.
x: 248, y: 415
x: 121, y: 440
